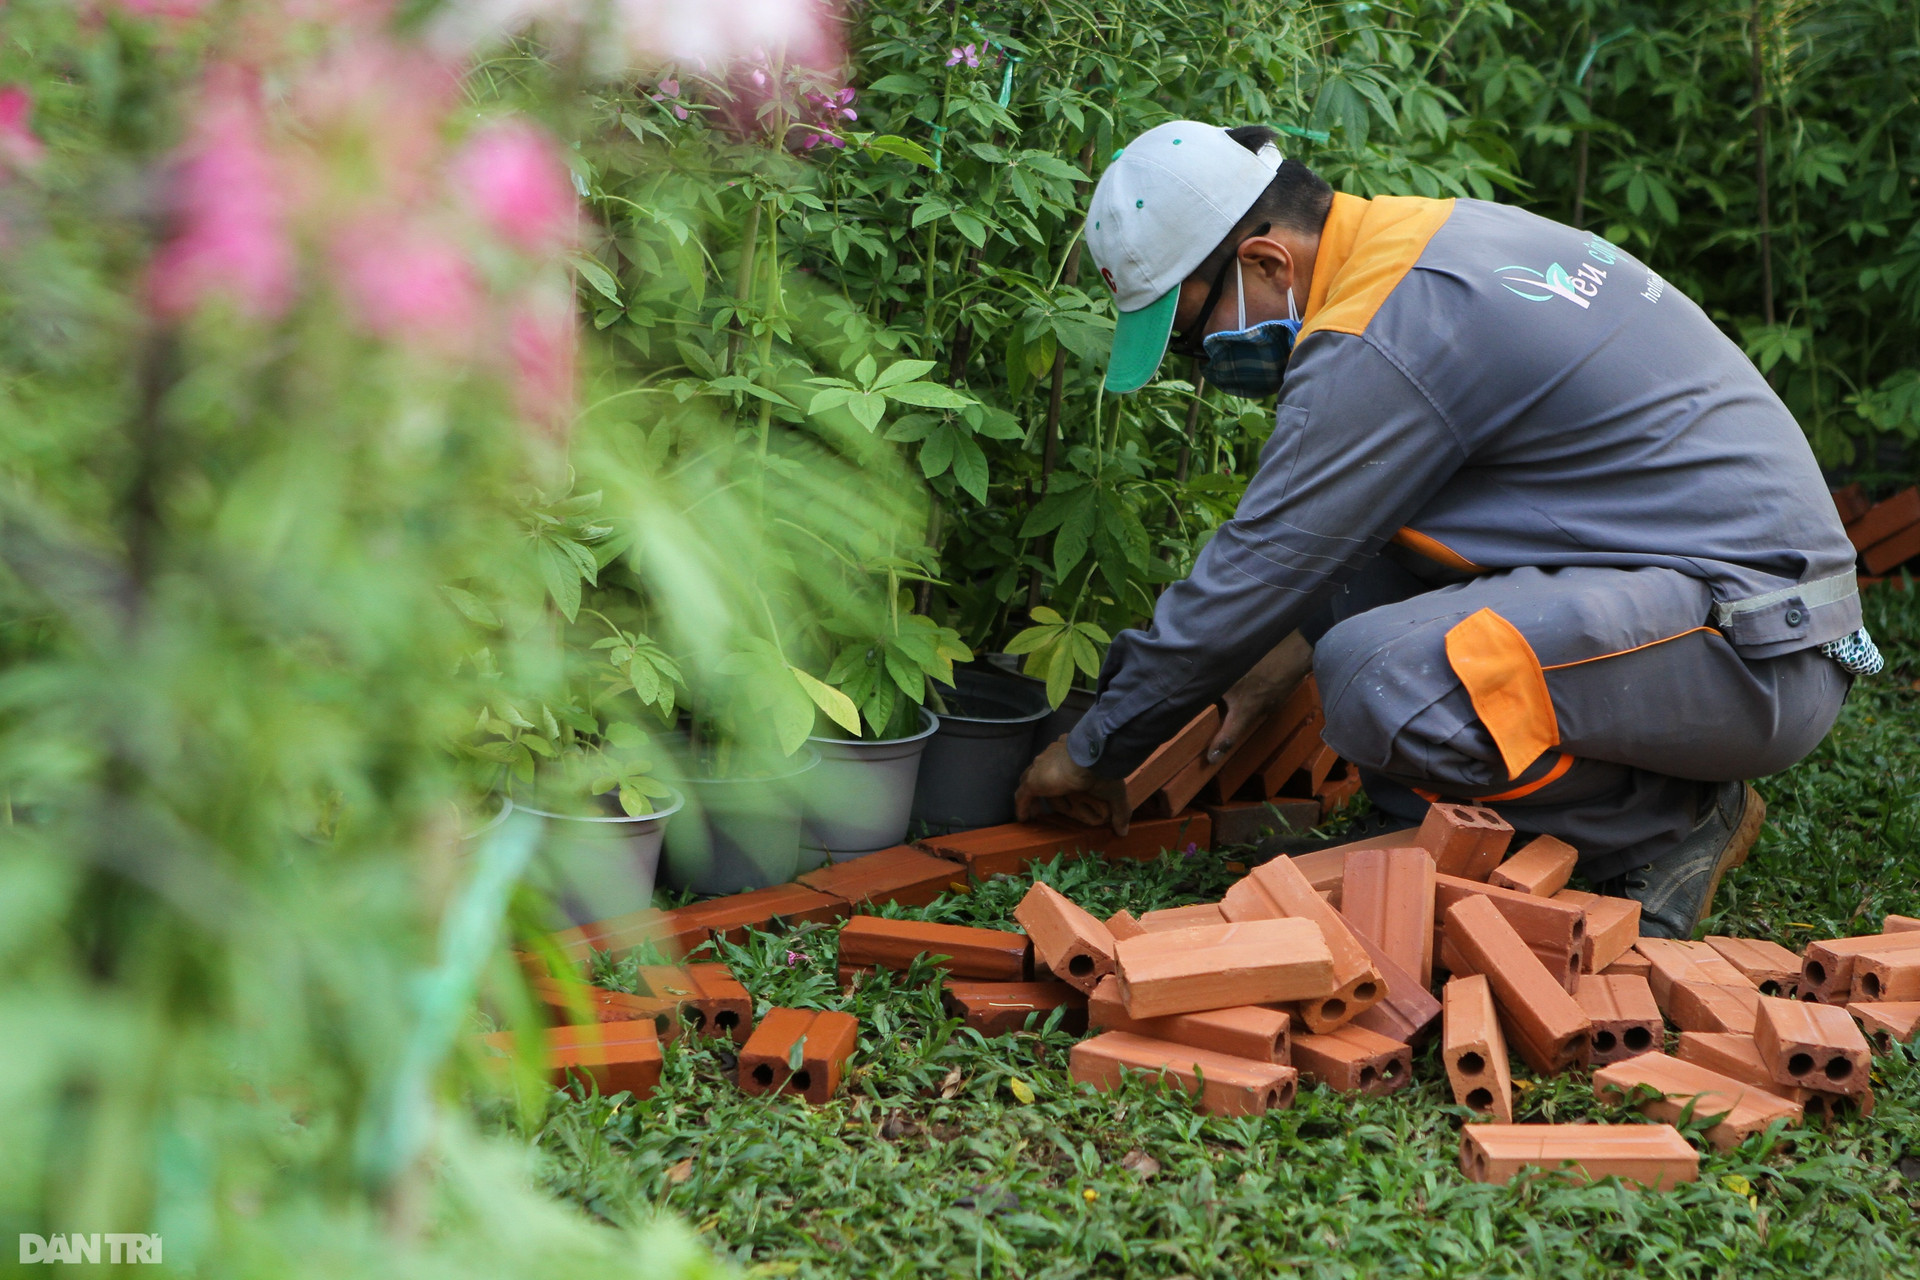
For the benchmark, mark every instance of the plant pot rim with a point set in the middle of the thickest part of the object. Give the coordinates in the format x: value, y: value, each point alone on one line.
x: 802, y: 760
x: 679, y: 801
x: 929, y: 718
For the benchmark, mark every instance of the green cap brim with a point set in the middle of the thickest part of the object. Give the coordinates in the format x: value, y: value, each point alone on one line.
x: 1140, y: 343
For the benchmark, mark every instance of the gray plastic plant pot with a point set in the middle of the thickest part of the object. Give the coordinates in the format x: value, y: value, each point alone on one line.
x: 974, y: 760
x: 593, y: 867
x: 860, y: 799
x: 1060, y: 722
x: 739, y: 833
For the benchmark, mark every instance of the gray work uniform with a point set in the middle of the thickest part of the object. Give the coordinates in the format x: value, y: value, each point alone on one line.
x: 1609, y: 557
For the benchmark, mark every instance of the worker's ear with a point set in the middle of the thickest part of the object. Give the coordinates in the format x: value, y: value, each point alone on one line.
x: 1269, y: 259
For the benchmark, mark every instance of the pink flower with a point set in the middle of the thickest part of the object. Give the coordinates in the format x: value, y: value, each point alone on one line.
x: 19, y: 148
x: 966, y: 53
x: 229, y: 207
x: 669, y: 92
x: 519, y: 184
x: 540, y: 343
x: 794, y: 958
x: 172, y: 11
x: 408, y: 283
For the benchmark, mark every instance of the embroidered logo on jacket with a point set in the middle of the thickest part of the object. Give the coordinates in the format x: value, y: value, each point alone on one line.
x: 1578, y: 286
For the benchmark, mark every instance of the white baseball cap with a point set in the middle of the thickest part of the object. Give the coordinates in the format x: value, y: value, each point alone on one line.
x: 1163, y: 205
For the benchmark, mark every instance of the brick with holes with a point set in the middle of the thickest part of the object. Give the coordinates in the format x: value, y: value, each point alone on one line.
x: 1075, y: 947
x: 1654, y: 1156
x: 1474, y: 1050
x: 1887, y: 1023
x: 1817, y: 1045
x: 825, y: 1040
x: 1541, y: 1019
x: 712, y: 1000
x: 1768, y: 965
x: 1900, y: 924
x: 783, y: 904
x: 670, y: 933
x: 1826, y: 967
x: 1259, y: 1032
x: 1301, y: 709
x: 1542, y: 868
x: 1889, y: 977
x: 1743, y: 1108
x: 1186, y: 917
x: 1223, y: 1085
x: 1280, y: 890
x: 996, y: 1008
x: 1630, y: 965
x: 611, y: 1056
x: 1672, y: 960
x: 1554, y: 931
x: 1353, y: 1060
x: 1737, y: 1056
x: 1171, y: 756
x: 1219, y: 966
x: 1387, y: 895
x: 571, y: 1003
x: 873, y: 942
x: 1122, y: 924
x: 1707, y: 1006
x: 1408, y: 1012
x: 1613, y: 926
x: 902, y: 874
x: 1626, y: 1021
x: 1465, y: 840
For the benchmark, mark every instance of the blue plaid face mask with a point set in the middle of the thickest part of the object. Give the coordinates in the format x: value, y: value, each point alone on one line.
x: 1251, y: 362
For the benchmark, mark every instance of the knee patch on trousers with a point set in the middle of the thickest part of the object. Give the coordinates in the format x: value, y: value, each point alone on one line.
x: 1502, y: 676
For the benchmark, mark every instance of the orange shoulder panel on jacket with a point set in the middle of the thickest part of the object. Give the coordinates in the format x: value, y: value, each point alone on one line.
x: 1366, y: 248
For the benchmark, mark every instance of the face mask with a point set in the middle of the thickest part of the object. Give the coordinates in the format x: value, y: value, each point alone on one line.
x: 1251, y: 362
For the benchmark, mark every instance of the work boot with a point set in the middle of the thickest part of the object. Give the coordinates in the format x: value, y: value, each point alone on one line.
x: 1675, y: 891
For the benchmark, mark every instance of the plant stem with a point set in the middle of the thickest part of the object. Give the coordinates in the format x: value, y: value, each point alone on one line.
x: 1756, y: 39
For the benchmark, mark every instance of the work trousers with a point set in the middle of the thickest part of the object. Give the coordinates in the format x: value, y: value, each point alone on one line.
x: 1651, y: 707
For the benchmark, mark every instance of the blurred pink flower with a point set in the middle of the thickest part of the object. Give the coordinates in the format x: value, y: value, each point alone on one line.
x: 966, y: 53
x: 717, y: 31
x: 19, y: 147
x: 518, y: 182
x: 408, y: 283
x: 165, y: 10
x: 541, y: 336
x: 669, y: 96
x: 386, y: 106
x: 229, y: 211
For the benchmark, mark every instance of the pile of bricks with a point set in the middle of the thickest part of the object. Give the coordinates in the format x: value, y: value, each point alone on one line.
x: 1328, y: 968
x: 1885, y: 533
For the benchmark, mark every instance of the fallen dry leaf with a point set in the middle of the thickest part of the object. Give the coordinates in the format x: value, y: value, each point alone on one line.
x: 1139, y: 1162
x: 951, y: 1084
x: 680, y: 1172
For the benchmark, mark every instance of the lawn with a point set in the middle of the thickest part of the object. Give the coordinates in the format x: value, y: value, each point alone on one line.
x: 949, y: 1154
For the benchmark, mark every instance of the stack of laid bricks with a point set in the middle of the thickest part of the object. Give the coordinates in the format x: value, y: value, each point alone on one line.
x: 1885, y: 533
x: 1329, y: 968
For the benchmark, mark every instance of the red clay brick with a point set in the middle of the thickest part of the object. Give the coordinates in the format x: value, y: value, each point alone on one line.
x: 1900, y: 924
x: 1353, y: 1060
x: 1826, y: 969
x: 1884, y: 519
x: 1121, y: 924
x: 1743, y: 1108
x: 1554, y: 931
x: 874, y: 942
x: 1339, y: 790
x: 1465, y: 840
x: 571, y: 1003
x: 1182, y: 788
x: 1388, y: 897
x: 1008, y: 849
x: 1225, y: 1086
x: 1613, y: 926
x: 613, y: 1056
x: 1888, y: 1022
x: 1301, y: 751
x: 1188, y: 917
x: 1474, y: 1050
x: 1219, y: 966
x: 1812, y: 1044
x: 1626, y: 1021
x: 1171, y: 756
x: 996, y: 1008
x: 1888, y: 977
x: 1630, y: 965
x: 714, y: 1002
x: 1542, y: 1020
x: 830, y: 1039
x: 1736, y: 1056
x: 1767, y: 965
x: 1075, y: 947
x: 1252, y: 1031
x: 1251, y: 821
x: 902, y: 874
x: 1542, y: 868
x: 670, y: 933
x: 1408, y: 1012
x: 1279, y: 890
x: 1851, y: 502
x: 1652, y: 1156
x: 1890, y: 553
x: 790, y: 904
x: 1320, y: 768
x: 1672, y: 960
x: 1706, y: 1006
x: 1265, y: 741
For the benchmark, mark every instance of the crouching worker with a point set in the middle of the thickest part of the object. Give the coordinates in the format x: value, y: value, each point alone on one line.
x: 1547, y: 539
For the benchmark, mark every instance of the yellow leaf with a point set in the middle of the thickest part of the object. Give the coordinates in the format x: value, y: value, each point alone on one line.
x: 1021, y: 1090
x: 838, y: 706
x: 1737, y: 1184
x: 1090, y: 1195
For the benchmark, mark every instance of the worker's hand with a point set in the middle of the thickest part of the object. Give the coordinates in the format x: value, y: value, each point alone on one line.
x: 1077, y: 793
x: 1259, y: 693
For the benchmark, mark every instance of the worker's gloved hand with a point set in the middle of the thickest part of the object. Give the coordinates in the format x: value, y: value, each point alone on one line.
x: 1070, y: 790
x: 1257, y: 694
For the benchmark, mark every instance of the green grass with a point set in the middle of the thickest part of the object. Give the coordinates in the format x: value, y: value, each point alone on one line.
x: 929, y: 1164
